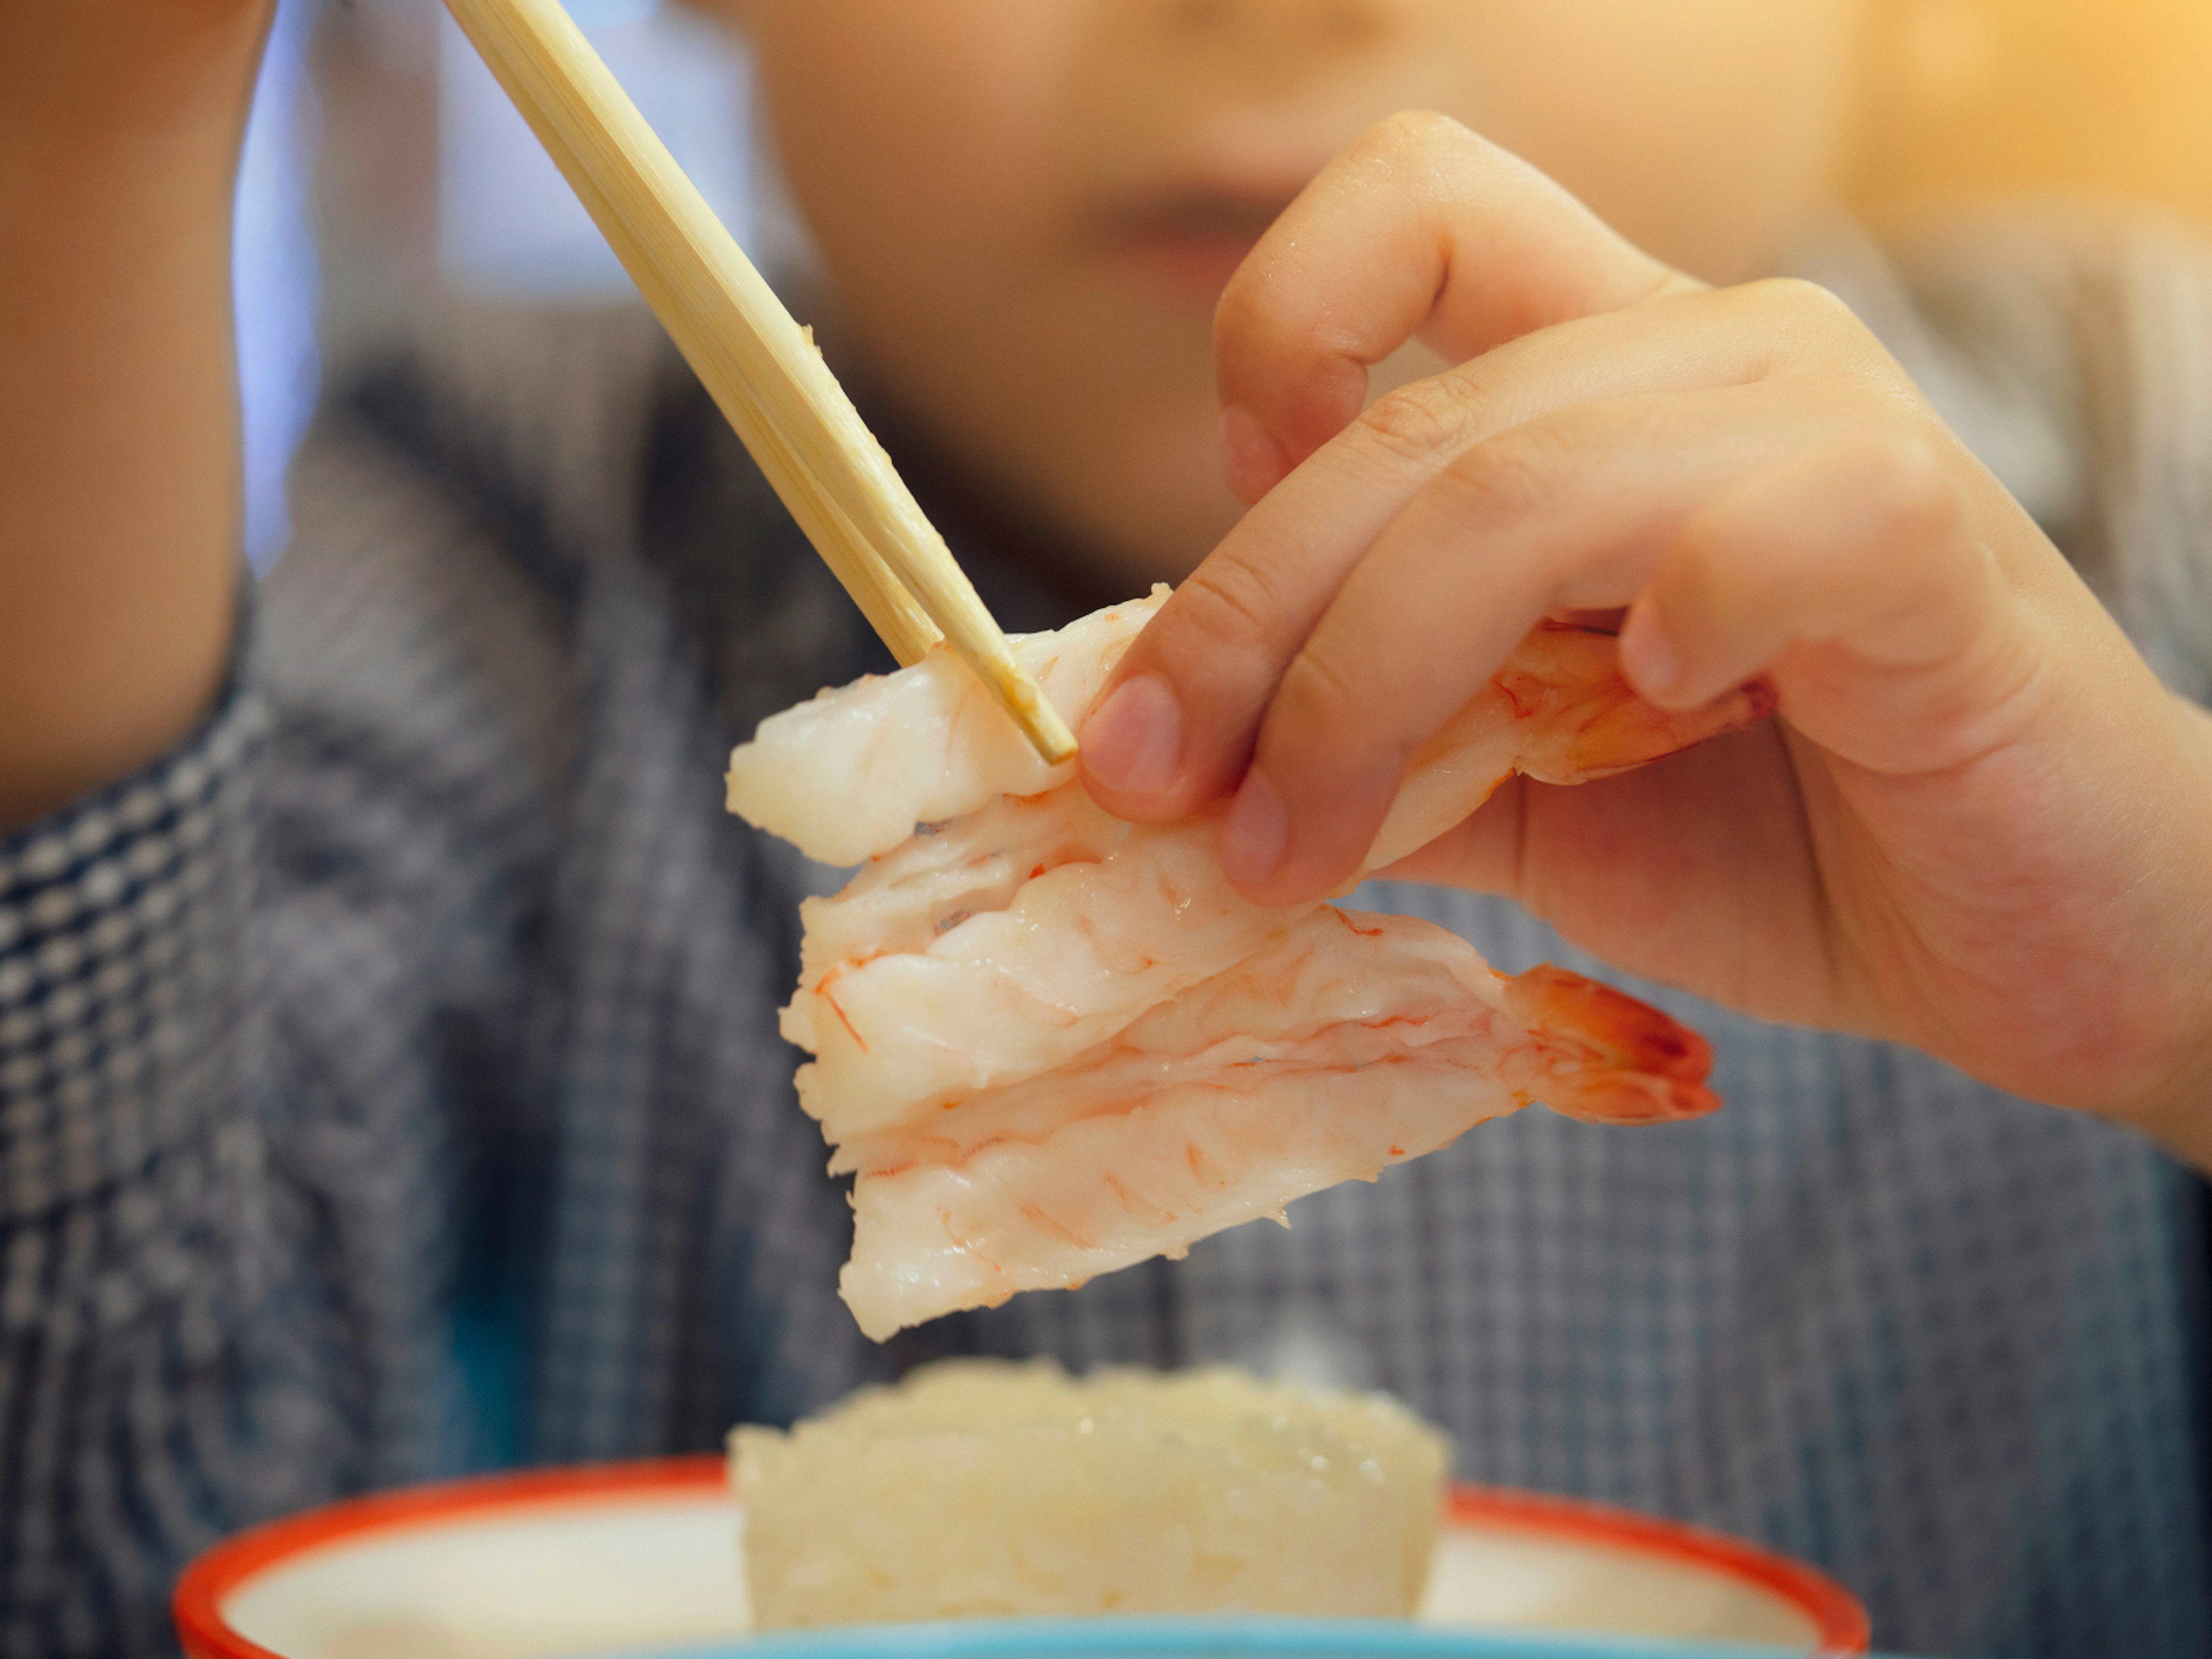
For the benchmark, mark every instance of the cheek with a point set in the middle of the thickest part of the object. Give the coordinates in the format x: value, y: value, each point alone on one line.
x: 911, y: 132
x: 1705, y: 130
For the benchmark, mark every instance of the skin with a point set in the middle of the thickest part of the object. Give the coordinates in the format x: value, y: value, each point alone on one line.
x: 1015, y: 199
x: 120, y: 122
x: 1980, y: 824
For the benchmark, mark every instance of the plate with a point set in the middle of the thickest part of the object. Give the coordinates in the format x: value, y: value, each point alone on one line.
x: 640, y: 1557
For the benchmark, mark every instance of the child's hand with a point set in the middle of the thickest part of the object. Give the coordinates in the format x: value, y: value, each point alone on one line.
x: 1980, y: 825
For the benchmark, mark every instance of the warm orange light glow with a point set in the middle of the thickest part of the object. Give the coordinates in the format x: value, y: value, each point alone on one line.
x: 1983, y: 98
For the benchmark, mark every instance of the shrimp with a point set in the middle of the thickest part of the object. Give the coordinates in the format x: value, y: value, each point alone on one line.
x: 1017, y: 986
x: 1558, y: 712
x: 1003, y: 944
x: 1349, y: 1043
x: 939, y: 879
x: 846, y: 776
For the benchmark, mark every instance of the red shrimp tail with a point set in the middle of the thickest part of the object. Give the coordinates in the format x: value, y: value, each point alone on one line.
x: 1611, y: 1059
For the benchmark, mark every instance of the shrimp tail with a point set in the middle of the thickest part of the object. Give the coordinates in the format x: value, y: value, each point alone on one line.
x: 1597, y: 726
x: 1622, y: 731
x: 1610, y: 1058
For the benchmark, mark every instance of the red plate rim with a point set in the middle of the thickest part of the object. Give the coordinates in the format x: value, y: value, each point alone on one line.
x: 1839, y: 1622
x: 213, y: 1579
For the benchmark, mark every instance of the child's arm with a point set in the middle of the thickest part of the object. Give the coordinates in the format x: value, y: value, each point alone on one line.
x: 1981, y: 826
x: 119, y: 127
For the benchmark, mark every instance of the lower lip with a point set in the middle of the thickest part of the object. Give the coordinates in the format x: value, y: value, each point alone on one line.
x: 1189, y: 273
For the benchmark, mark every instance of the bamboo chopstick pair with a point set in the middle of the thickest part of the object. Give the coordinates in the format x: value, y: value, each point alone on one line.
x: 760, y: 367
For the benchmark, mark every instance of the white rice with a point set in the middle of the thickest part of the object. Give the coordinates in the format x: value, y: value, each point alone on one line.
x: 978, y: 1489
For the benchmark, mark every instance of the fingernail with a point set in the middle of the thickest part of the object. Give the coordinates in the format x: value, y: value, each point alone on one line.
x: 1251, y: 459
x: 1253, y: 840
x: 1133, y: 743
x: 1647, y: 655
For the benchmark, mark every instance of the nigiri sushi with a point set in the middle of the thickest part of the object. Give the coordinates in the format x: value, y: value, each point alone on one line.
x: 1049, y: 1043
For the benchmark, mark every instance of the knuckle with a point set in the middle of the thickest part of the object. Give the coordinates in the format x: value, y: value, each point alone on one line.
x: 1417, y: 423
x: 1905, y: 485
x: 1319, y: 698
x: 1507, y: 479
x: 1232, y: 606
x: 1795, y: 296
x: 1794, y: 308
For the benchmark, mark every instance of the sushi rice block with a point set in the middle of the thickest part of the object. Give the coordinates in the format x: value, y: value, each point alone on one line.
x: 984, y: 1489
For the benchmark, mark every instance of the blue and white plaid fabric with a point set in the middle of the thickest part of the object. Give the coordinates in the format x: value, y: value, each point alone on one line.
x: 389, y: 1083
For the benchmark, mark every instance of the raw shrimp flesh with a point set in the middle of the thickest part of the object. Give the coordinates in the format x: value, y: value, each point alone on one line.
x: 1049, y: 1043
x: 1347, y: 1044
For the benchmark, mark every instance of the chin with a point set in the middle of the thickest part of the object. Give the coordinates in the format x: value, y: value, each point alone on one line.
x: 1158, y: 512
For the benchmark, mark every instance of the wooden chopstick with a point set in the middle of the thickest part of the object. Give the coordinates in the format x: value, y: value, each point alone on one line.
x: 761, y: 367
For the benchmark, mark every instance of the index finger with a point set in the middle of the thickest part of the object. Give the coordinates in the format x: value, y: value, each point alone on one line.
x: 1421, y: 228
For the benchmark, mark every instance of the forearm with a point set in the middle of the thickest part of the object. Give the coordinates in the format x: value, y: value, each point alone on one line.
x: 119, y: 126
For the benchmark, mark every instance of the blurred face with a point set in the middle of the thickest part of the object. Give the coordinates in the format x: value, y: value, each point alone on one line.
x: 1027, y: 209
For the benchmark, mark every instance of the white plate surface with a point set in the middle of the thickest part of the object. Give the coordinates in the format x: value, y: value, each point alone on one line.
x: 556, y: 1572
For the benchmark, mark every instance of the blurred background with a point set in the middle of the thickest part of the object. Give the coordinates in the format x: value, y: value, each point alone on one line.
x: 384, y: 168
